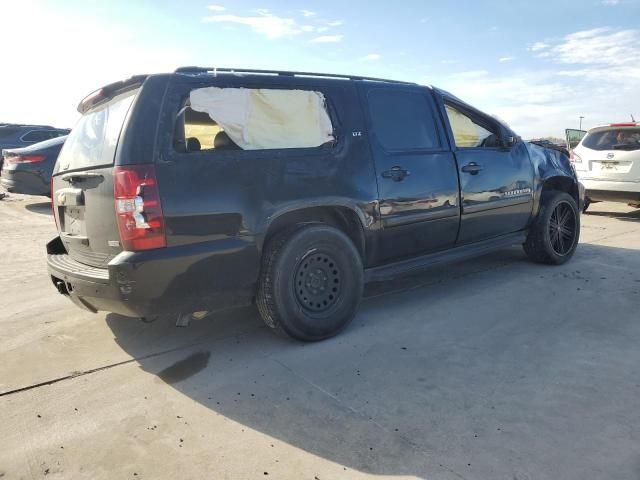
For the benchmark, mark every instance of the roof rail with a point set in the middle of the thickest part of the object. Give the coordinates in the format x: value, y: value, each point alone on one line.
x: 281, y: 73
x: 28, y: 125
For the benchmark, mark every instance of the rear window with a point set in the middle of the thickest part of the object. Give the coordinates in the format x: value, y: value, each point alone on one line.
x: 614, y: 139
x: 94, y: 139
x: 6, y: 132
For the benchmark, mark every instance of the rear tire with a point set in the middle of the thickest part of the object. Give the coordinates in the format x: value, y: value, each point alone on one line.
x: 554, y: 234
x: 311, y: 283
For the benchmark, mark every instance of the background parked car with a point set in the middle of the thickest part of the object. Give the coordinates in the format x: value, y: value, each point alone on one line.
x: 28, y: 170
x: 14, y: 135
x: 607, y: 162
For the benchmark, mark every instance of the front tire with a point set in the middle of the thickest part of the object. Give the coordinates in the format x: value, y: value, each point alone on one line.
x: 554, y: 234
x: 311, y: 283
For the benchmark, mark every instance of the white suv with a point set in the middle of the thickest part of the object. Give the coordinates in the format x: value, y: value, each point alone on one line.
x: 607, y: 162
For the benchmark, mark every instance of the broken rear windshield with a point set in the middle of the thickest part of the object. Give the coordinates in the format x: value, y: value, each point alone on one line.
x: 614, y: 139
x: 93, y: 140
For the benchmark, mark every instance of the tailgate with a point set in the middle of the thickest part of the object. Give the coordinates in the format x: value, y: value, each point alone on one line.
x: 82, y: 184
x: 615, y: 165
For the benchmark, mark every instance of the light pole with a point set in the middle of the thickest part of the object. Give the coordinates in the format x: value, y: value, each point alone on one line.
x: 581, y: 117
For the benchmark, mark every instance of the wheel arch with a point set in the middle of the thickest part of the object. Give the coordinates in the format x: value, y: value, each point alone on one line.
x: 346, y: 217
x: 557, y: 181
x: 562, y: 183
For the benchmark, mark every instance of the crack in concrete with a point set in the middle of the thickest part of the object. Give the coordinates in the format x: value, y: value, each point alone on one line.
x: 90, y: 371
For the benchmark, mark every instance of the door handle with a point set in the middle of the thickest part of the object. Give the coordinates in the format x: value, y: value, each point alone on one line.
x: 473, y: 168
x: 396, y: 174
x: 72, y: 177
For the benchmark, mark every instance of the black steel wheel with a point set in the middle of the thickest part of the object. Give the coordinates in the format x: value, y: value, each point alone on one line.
x: 554, y: 234
x: 562, y: 228
x: 311, y: 282
x: 317, y: 282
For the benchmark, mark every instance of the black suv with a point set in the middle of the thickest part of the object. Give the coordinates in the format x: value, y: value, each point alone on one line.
x: 206, y: 188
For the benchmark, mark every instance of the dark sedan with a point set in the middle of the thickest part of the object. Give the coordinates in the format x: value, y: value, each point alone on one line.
x: 28, y: 169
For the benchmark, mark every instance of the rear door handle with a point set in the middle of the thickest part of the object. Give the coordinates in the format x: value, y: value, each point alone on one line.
x: 396, y: 174
x: 473, y: 168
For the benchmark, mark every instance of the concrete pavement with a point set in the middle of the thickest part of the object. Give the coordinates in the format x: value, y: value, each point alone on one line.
x: 494, y: 368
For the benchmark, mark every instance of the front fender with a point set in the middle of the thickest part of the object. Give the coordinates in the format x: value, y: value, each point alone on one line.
x: 552, y: 169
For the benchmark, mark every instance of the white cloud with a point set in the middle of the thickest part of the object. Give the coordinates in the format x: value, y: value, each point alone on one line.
x: 327, y: 39
x: 610, y: 3
x: 272, y: 26
x: 265, y: 23
x: 470, y: 74
x: 594, y: 73
x: 424, y: 19
x: 216, y: 8
x: 600, y: 46
x: 536, y: 47
x: 372, y: 57
x: 506, y: 59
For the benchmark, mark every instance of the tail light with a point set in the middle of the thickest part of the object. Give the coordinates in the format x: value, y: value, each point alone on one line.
x: 138, y: 209
x: 24, y: 158
x: 574, y: 157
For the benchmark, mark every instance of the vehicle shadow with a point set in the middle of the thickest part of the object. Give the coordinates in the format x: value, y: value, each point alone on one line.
x: 633, y: 216
x: 43, y: 208
x: 426, y: 381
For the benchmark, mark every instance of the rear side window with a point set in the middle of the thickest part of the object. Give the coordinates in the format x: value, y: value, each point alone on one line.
x: 37, y: 136
x: 614, y: 139
x: 402, y: 120
x: 253, y: 119
x: 94, y: 139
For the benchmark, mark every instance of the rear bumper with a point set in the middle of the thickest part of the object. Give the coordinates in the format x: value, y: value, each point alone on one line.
x: 26, y: 182
x: 174, y: 280
x: 607, y: 190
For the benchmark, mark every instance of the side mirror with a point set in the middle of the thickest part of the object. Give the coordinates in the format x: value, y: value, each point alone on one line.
x: 509, y: 141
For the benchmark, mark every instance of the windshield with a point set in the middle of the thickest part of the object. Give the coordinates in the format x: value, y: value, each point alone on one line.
x: 93, y: 140
x: 614, y: 139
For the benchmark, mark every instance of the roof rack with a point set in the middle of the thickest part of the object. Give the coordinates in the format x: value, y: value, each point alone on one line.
x: 281, y: 73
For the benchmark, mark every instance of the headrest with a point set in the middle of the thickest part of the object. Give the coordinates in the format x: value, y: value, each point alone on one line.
x: 222, y: 141
x: 193, y: 144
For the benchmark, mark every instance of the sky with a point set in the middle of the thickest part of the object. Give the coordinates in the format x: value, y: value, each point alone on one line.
x: 539, y: 65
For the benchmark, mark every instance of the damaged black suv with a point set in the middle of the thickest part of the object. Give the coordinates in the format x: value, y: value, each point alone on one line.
x: 208, y: 188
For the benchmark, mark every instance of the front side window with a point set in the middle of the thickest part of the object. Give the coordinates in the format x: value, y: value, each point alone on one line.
x: 402, y: 120
x: 469, y: 132
x: 252, y: 119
